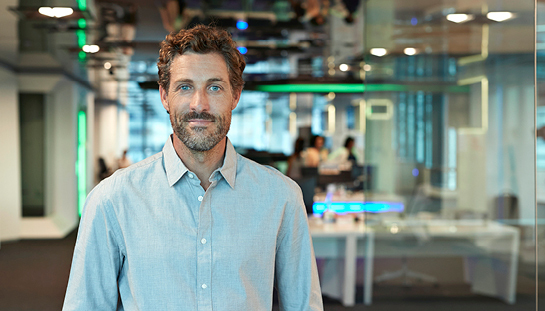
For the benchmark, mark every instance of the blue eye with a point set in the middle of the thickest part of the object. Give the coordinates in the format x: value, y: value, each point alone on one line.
x: 215, y: 88
x: 184, y: 87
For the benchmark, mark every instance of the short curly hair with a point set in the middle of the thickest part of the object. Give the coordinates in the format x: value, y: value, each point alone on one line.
x: 203, y: 40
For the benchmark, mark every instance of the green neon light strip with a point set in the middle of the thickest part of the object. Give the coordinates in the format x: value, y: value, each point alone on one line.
x: 82, y: 56
x: 82, y: 5
x: 82, y: 37
x: 359, y: 88
x: 82, y: 23
x: 81, y: 164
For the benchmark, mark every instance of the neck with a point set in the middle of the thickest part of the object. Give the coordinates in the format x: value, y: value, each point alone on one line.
x: 202, y: 163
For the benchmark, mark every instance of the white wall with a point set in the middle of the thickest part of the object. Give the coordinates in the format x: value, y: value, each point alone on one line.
x: 10, y: 173
x: 61, y: 152
x: 106, y: 133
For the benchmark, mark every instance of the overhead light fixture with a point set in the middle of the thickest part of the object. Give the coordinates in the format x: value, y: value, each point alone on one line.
x: 56, y: 12
x: 343, y: 67
x: 460, y: 18
x: 410, y: 51
x: 107, y: 65
x: 242, y: 49
x: 378, y: 52
x: 90, y: 48
x: 500, y: 16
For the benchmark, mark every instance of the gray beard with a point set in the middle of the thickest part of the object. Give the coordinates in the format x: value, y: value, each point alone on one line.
x: 196, y: 138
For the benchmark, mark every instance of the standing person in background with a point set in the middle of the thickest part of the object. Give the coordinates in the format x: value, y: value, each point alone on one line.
x: 295, y: 161
x: 103, y: 169
x: 196, y: 226
x: 124, y: 161
x: 345, y: 153
x: 314, y: 155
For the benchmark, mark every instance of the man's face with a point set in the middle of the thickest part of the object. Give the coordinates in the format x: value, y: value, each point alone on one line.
x: 199, y: 99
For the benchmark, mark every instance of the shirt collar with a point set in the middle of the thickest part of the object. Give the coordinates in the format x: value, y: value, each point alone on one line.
x: 175, y: 168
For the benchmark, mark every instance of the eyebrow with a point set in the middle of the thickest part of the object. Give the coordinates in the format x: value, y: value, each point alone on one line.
x: 190, y: 80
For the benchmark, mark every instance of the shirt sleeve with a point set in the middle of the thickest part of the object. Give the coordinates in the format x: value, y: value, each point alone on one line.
x: 97, y: 259
x: 295, y: 268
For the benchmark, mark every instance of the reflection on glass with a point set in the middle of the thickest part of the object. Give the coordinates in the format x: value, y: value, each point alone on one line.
x: 457, y: 152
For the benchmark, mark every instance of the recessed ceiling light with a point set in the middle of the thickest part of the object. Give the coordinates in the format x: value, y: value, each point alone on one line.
x: 410, y: 51
x: 460, y: 18
x: 90, y: 48
x: 57, y: 12
x: 107, y: 65
x: 500, y: 16
x: 343, y: 67
x: 378, y: 52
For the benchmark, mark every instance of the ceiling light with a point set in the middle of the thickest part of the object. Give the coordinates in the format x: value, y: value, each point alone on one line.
x: 242, y: 49
x: 242, y: 25
x: 90, y: 48
x: 107, y: 65
x: 460, y: 18
x: 500, y: 16
x: 367, y: 67
x: 410, y: 51
x: 57, y: 12
x: 343, y: 67
x: 378, y: 52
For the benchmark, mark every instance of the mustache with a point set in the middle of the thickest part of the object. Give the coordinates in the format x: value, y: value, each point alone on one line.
x: 196, y: 115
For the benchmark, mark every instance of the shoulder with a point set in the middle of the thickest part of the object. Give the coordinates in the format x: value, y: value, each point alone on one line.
x: 122, y: 180
x: 264, y: 175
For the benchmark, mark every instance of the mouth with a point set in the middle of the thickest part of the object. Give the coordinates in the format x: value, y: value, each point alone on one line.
x: 199, y: 122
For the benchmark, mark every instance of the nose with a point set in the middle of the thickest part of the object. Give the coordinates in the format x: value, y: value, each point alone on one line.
x: 200, y: 101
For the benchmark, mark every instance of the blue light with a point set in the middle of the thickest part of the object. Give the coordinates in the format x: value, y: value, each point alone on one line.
x: 358, y: 207
x: 242, y: 49
x: 415, y: 172
x: 242, y: 25
x: 414, y: 21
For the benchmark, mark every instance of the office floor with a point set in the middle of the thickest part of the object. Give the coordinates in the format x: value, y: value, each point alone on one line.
x: 34, y: 274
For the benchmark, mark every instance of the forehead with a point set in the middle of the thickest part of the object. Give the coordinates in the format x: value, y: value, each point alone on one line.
x: 198, y: 67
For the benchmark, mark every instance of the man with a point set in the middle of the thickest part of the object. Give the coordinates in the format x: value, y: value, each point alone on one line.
x: 196, y: 226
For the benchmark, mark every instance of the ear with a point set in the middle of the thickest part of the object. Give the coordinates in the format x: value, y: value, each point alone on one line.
x: 236, y: 98
x: 164, y: 98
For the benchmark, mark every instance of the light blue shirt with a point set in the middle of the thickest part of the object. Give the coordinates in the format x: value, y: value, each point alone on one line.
x: 151, y: 237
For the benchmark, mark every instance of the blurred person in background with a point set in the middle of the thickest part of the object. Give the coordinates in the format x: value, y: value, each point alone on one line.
x: 103, y: 169
x: 196, y: 226
x: 295, y: 161
x: 315, y: 154
x: 345, y: 153
x: 124, y: 161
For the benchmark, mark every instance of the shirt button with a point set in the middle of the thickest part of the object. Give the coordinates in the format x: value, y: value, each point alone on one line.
x: 200, y: 197
x: 190, y: 175
x: 204, y: 286
x: 203, y: 241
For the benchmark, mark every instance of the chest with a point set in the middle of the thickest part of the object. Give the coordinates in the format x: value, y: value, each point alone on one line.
x: 180, y: 224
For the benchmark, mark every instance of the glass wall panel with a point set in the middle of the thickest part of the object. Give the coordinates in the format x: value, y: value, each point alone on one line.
x: 540, y: 150
x: 449, y: 108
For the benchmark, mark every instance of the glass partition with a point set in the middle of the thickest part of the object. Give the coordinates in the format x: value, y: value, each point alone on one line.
x: 449, y: 136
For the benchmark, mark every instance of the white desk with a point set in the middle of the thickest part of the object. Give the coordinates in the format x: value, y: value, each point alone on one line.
x: 341, y: 241
x: 480, y: 242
